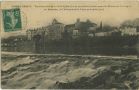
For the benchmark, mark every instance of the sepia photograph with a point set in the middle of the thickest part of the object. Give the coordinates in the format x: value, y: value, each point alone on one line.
x: 69, y: 45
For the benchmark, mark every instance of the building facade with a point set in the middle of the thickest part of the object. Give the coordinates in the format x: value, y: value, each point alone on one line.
x: 55, y: 30
x: 129, y: 31
x: 38, y: 31
x: 80, y: 28
x: 52, y: 32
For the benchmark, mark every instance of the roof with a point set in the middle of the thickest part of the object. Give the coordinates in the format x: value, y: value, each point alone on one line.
x: 70, y: 25
x: 55, y: 22
x: 81, y: 25
x: 85, y: 25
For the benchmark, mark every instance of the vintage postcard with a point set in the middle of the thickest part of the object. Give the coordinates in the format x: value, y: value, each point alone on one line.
x: 69, y: 45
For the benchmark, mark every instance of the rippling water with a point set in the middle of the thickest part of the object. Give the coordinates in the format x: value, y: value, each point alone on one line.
x: 21, y: 70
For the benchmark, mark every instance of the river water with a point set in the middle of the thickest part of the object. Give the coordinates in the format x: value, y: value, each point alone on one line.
x: 43, y: 71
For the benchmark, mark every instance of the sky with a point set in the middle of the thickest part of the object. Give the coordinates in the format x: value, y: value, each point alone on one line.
x: 36, y: 14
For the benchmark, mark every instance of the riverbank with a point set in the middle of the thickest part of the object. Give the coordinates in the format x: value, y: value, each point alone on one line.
x: 106, y: 45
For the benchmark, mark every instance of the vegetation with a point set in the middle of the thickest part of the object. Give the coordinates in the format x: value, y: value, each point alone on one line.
x: 107, y: 45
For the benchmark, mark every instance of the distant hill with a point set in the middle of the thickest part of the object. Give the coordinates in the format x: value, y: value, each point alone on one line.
x: 133, y: 23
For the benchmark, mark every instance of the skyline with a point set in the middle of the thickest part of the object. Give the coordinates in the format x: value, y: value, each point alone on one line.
x: 33, y: 17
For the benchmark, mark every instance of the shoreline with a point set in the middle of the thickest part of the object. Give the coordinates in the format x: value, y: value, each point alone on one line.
x: 71, y: 55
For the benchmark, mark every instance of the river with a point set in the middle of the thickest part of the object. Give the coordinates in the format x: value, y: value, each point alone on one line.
x: 43, y: 71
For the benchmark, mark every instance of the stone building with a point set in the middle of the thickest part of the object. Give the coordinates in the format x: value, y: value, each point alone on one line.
x: 80, y: 28
x: 37, y: 31
x: 52, y: 31
x: 129, y: 30
x: 55, y: 30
